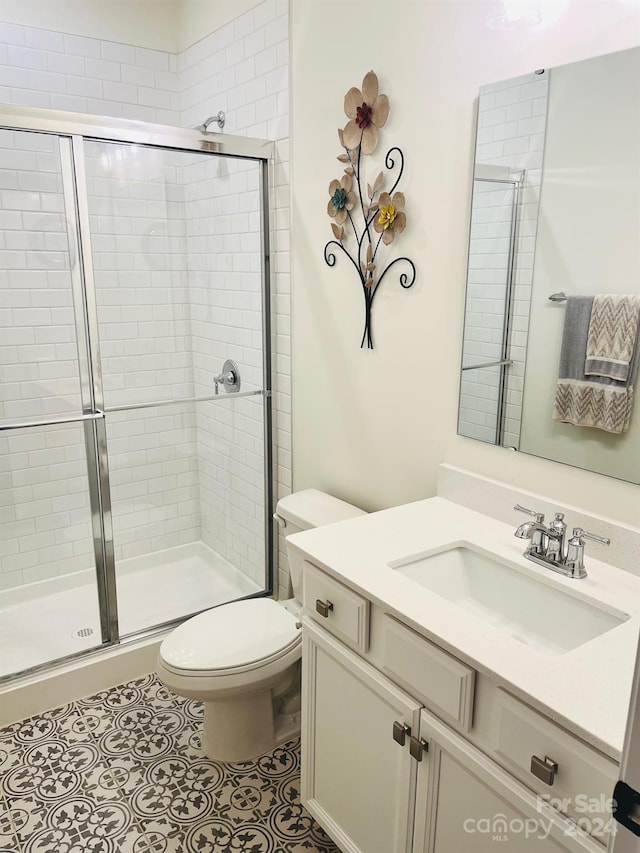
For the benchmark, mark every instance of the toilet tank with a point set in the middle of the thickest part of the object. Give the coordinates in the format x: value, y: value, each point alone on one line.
x: 303, y: 511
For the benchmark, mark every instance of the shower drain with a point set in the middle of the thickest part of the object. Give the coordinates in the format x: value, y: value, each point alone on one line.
x: 82, y: 632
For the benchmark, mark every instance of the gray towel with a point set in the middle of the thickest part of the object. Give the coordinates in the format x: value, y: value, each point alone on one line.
x: 574, y: 337
x: 590, y: 401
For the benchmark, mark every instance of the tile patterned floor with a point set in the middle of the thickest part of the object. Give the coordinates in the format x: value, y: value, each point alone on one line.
x: 122, y: 772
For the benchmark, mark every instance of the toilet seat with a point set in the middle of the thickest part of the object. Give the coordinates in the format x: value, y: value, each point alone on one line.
x: 232, y: 639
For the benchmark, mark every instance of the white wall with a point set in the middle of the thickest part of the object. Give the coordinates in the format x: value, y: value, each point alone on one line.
x: 372, y: 426
x: 588, y: 242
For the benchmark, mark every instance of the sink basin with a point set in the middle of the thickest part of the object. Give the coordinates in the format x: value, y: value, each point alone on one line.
x: 538, y: 613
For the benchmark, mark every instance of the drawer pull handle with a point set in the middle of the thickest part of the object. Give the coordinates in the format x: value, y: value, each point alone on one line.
x: 544, y: 770
x: 400, y: 732
x: 323, y: 607
x: 418, y: 745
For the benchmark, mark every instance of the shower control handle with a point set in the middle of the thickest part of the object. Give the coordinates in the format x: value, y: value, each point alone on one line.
x: 229, y: 378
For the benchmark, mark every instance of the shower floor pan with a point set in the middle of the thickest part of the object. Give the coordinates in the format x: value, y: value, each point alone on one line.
x: 50, y: 619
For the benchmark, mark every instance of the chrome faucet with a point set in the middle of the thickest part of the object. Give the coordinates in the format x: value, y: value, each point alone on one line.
x: 548, y: 546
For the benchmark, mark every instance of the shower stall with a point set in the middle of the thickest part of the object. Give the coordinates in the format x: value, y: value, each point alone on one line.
x: 135, y: 475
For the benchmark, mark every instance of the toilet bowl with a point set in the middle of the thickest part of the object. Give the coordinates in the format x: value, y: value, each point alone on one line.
x: 242, y: 659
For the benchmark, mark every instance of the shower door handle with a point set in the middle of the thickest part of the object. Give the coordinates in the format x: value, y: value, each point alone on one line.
x: 503, y: 362
x: 91, y: 416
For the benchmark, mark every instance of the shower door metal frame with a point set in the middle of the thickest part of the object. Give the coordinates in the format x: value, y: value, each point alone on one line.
x: 81, y: 265
x: 72, y: 130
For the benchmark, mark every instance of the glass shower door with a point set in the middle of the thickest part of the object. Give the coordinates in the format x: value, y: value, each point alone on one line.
x: 51, y: 558
x: 132, y: 493
x: 177, y: 258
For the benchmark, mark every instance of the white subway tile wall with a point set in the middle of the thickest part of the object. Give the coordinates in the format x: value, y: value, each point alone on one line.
x: 511, y: 127
x: 243, y: 70
x: 154, y: 463
x: 38, y: 372
x: 45, y: 519
x: 43, y: 68
x: 224, y: 250
x: 489, y: 253
x: 177, y: 262
x: 138, y: 242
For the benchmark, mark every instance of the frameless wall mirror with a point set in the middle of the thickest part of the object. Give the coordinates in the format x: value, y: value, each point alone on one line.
x: 555, y: 210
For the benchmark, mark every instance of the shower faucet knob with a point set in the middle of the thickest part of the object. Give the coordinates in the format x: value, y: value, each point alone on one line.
x: 229, y: 378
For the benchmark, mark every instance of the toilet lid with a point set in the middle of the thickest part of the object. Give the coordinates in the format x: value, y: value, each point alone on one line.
x: 232, y: 636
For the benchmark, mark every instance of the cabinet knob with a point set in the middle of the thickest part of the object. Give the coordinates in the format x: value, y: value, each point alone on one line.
x: 544, y: 770
x: 400, y: 732
x: 323, y: 607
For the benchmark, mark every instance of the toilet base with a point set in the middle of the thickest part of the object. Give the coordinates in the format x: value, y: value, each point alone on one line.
x: 240, y: 728
x: 287, y: 728
x: 245, y: 727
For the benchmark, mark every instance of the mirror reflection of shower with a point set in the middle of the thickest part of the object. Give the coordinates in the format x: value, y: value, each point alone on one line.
x: 490, y: 363
x: 512, y: 117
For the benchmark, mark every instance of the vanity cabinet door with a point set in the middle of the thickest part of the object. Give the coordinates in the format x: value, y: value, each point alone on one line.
x: 357, y: 781
x: 465, y: 802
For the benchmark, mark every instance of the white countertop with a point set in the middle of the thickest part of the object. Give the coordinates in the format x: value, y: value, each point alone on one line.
x: 586, y: 689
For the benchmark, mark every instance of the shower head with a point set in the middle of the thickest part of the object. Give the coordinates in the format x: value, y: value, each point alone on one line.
x: 220, y: 119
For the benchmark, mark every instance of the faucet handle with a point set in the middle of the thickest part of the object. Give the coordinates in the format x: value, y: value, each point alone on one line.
x: 575, y: 551
x: 579, y: 533
x: 539, y: 516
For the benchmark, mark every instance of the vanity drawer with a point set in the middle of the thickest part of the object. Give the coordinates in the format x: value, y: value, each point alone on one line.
x: 584, y: 781
x: 340, y: 610
x: 443, y: 683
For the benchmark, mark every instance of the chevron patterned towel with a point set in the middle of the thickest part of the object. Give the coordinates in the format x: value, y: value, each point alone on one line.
x: 613, y: 332
x: 590, y: 404
x: 590, y: 401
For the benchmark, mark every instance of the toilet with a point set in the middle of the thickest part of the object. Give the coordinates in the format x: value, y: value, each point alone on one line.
x: 242, y: 659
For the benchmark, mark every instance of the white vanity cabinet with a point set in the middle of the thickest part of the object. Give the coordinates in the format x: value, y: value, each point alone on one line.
x: 465, y: 803
x: 377, y: 787
x: 357, y: 780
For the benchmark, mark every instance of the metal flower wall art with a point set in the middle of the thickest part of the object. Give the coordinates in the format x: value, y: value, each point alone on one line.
x: 367, y: 217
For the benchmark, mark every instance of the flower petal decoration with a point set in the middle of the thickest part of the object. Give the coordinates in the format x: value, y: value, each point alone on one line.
x: 398, y: 201
x: 368, y: 111
x: 352, y: 135
x: 391, y: 219
x: 342, y: 198
x: 380, y: 111
x: 370, y: 87
x: 352, y: 101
